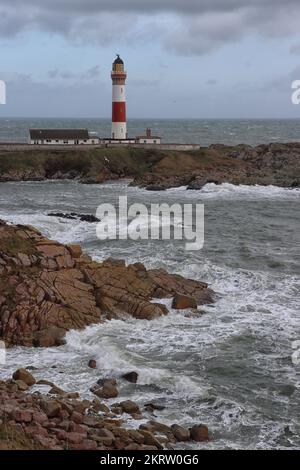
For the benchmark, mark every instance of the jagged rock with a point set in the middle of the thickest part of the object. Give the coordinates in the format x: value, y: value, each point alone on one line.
x: 63, y: 289
x: 24, y: 376
x: 73, y: 215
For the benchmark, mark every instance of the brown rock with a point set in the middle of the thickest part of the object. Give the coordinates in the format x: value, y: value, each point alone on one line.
x: 181, y: 302
x: 56, y: 391
x: 107, y: 391
x: 136, y: 436
x: 65, y: 291
x: 77, y: 417
x: 45, y: 382
x: 24, y: 376
x: 151, y: 440
x: 199, y: 433
x: 74, y: 437
x: 130, y: 407
x: 131, y: 377
x: 181, y: 434
x: 92, y: 364
x: 39, y: 417
x: 160, y: 427
x: 50, y: 407
x: 52, y: 336
x: 75, y: 250
x: 21, y: 385
x: 23, y: 416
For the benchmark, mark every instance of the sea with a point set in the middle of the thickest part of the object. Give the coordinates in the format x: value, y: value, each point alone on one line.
x: 196, y: 131
x: 233, y: 365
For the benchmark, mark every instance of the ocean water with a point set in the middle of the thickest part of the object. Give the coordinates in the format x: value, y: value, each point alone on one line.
x: 230, y: 365
x: 201, y: 131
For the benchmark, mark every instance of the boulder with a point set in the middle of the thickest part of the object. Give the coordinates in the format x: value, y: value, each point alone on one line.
x: 25, y: 376
x: 50, y: 407
x: 199, y: 433
x: 105, y: 389
x: 131, y: 377
x: 150, y: 440
x: 160, y: 427
x: 92, y: 364
x: 154, y: 406
x: 181, y: 434
x: 22, y: 386
x: 181, y: 302
x: 130, y: 407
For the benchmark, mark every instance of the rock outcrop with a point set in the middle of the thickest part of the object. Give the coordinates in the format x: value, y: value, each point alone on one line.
x: 47, y: 288
x: 155, y: 169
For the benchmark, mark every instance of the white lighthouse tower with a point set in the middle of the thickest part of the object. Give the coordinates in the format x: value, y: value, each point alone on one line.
x: 118, y: 75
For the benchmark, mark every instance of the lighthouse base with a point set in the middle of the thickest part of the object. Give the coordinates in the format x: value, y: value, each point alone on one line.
x: 119, y: 130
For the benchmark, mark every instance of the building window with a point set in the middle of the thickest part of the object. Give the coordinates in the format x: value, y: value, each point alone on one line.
x: 57, y: 141
x: 154, y: 141
x: 66, y: 141
x: 145, y: 141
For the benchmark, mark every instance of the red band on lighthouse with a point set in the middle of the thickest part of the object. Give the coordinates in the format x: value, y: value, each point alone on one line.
x: 119, y: 112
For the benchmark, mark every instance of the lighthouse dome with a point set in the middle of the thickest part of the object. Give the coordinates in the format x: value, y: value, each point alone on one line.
x: 118, y: 61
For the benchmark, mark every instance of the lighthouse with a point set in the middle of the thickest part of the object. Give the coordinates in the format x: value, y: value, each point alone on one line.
x: 118, y: 76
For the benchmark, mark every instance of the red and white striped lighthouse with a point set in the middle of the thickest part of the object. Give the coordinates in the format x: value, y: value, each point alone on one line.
x: 118, y: 75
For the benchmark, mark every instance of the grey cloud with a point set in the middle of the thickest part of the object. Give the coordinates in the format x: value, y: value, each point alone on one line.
x: 89, y: 74
x: 295, y: 49
x: 192, y: 27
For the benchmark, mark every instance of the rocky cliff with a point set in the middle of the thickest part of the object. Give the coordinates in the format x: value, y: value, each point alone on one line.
x: 47, y: 288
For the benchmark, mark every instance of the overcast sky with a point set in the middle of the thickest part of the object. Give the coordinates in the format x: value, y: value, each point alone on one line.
x: 184, y: 58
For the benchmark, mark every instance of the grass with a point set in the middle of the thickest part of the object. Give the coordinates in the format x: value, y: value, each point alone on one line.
x: 11, y: 439
x: 90, y: 162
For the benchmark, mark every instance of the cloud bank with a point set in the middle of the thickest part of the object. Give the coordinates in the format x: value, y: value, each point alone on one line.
x: 190, y: 27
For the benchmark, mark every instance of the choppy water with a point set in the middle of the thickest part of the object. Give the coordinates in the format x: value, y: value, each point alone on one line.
x: 230, y: 367
x: 198, y: 131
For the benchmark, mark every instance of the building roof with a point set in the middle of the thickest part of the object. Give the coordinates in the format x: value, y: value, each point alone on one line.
x: 148, y: 137
x: 59, y: 134
x: 118, y: 60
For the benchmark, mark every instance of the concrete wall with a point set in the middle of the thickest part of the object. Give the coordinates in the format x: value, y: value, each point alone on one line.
x: 178, y: 147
